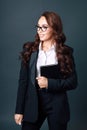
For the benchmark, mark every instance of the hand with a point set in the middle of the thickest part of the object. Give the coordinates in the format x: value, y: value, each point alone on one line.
x: 42, y: 82
x: 18, y: 118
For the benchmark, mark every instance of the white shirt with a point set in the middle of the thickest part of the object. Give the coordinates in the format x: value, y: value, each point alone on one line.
x: 46, y: 58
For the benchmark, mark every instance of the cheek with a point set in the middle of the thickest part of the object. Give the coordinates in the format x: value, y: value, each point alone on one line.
x: 49, y: 35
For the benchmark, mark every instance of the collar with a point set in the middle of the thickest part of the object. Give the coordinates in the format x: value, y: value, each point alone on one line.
x: 52, y: 47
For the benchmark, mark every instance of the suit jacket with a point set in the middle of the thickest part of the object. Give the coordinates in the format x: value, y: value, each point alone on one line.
x: 27, y: 96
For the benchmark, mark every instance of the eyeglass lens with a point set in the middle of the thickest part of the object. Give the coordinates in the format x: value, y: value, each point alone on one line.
x: 43, y: 28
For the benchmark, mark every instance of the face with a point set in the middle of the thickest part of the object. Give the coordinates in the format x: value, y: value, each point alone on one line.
x: 44, y: 30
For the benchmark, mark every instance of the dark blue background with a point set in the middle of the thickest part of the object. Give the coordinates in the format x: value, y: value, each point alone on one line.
x: 17, y: 25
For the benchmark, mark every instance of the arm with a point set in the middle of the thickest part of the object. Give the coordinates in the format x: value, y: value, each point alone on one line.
x: 56, y: 85
x: 61, y: 84
x: 22, y: 87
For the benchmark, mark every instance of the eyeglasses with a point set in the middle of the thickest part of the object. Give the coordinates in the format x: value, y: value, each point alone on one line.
x: 43, y: 28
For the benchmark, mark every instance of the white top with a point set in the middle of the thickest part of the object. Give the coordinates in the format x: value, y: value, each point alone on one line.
x: 46, y: 58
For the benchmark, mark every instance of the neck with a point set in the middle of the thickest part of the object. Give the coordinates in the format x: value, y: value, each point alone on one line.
x: 47, y: 45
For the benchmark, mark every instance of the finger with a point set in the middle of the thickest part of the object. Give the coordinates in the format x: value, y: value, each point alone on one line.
x: 36, y: 78
x: 18, y: 120
x: 40, y: 77
x: 19, y: 123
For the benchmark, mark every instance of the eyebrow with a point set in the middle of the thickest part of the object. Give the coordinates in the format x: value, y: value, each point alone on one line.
x: 43, y: 25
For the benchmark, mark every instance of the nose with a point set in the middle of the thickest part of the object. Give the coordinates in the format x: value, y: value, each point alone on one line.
x: 40, y: 31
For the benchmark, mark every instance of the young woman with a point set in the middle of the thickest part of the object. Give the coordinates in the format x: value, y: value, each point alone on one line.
x: 40, y: 97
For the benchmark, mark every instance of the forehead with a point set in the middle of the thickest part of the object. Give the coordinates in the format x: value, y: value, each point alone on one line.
x: 42, y: 20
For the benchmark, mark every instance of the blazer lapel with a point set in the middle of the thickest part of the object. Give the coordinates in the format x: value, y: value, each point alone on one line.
x: 32, y: 66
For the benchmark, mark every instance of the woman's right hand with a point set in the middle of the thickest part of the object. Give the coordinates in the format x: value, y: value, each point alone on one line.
x: 18, y: 118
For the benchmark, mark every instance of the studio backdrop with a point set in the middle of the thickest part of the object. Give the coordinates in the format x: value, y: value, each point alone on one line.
x: 17, y: 26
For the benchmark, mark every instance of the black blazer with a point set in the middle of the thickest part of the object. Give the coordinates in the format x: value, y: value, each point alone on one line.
x: 27, y: 97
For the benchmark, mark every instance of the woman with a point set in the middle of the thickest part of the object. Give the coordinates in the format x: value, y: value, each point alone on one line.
x: 40, y: 97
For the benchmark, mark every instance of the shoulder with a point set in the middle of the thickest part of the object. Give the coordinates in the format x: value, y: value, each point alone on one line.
x: 27, y: 45
x: 26, y: 51
x: 68, y: 50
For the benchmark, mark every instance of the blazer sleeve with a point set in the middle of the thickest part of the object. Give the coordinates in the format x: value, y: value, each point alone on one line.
x: 22, y: 87
x: 61, y: 84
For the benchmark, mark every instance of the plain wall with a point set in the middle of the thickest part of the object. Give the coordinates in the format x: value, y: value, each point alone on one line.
x: 17, y: 26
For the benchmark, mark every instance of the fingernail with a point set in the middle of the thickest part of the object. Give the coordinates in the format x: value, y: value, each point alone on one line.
x: 19, y: 123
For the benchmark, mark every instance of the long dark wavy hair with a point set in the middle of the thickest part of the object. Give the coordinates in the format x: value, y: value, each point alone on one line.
x: 63, y: 52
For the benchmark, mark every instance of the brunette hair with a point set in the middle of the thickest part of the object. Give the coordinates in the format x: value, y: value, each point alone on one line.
x: 64, y: 52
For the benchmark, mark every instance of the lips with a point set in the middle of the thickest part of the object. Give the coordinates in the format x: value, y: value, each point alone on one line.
x: 41, y: 35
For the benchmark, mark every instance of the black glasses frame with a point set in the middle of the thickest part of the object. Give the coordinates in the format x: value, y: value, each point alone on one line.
x: 43, y: 28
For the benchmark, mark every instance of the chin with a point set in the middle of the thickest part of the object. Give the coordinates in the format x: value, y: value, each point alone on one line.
x: 41, y: 39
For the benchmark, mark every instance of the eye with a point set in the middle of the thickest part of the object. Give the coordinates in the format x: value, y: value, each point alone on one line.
x: 44, y: 28
x: 38, y: 27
